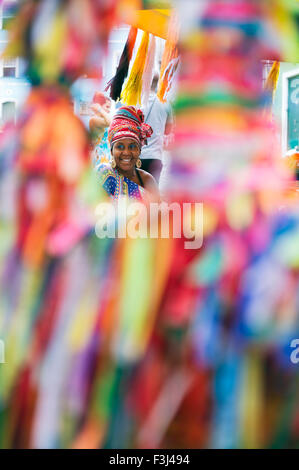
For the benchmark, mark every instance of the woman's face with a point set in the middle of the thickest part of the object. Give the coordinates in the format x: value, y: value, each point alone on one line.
x: 125, y: 152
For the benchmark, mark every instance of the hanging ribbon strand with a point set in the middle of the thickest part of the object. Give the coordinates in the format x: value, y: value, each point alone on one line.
x: 170, y: 56
x: 116, y: 83
x: 272, y: 79
x: 148, y: 70
x: 131, y: 94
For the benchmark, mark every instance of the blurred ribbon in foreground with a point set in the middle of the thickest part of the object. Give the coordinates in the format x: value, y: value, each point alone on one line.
x: 144, y: 343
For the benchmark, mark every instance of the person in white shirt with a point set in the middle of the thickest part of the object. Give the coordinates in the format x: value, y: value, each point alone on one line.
x: 159, y: 116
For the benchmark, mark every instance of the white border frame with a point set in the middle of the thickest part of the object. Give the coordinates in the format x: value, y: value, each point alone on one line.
x: 285, y: 99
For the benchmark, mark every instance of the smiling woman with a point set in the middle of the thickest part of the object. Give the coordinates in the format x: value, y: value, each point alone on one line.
x: 125, y: 154
x: 123, y: 177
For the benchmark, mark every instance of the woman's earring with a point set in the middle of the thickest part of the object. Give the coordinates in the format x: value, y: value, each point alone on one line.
x: 138, y: 163
x: 113, y: 163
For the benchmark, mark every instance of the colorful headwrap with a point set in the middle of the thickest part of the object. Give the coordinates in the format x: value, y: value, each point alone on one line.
x: 128, y: 122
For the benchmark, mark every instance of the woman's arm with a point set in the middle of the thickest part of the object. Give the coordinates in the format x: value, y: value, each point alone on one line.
x: 151, y: 186
x: 96, y: 128
x: 101, y: 114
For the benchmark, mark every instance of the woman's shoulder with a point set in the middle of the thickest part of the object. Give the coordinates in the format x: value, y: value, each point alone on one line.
x: 105, y: 171
x: 150, y: 184
x: 147, y: 177
x: 107, y: 177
